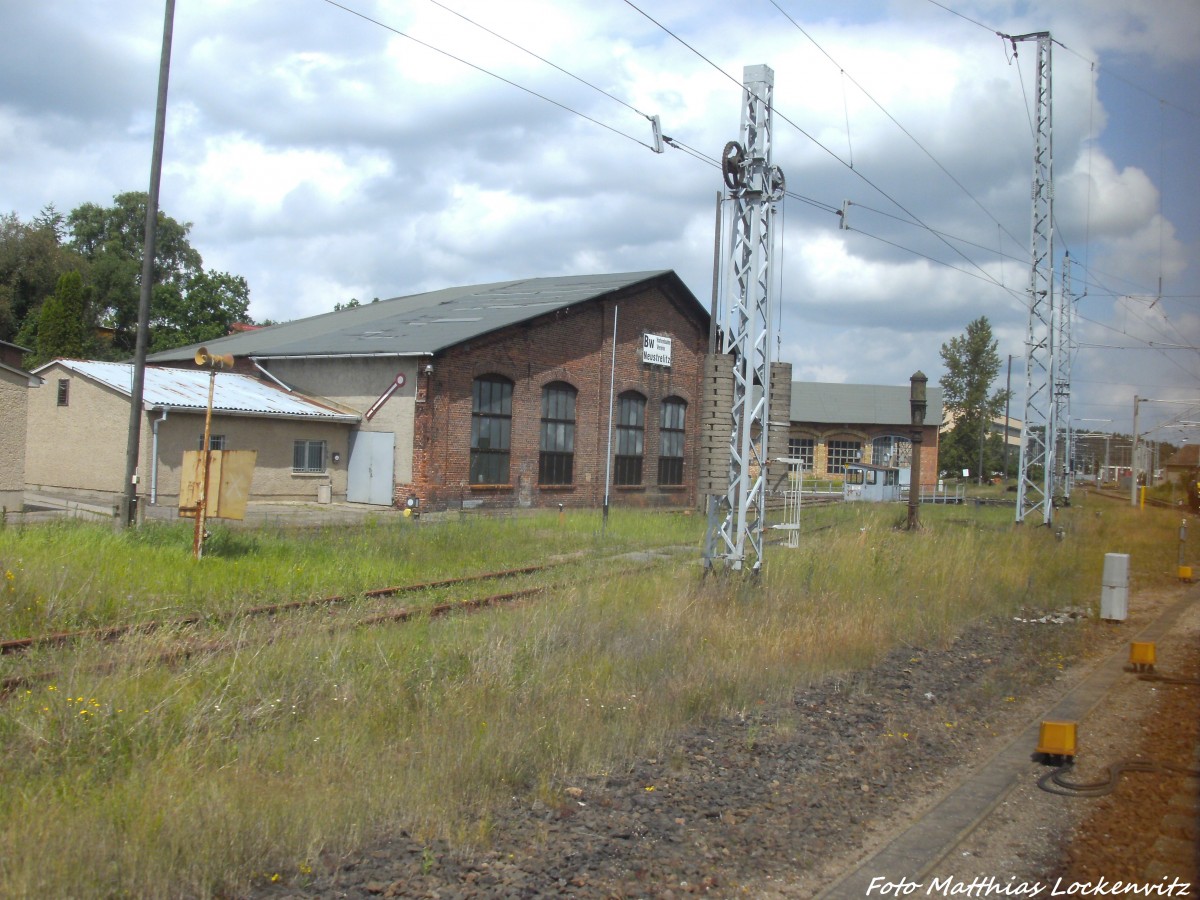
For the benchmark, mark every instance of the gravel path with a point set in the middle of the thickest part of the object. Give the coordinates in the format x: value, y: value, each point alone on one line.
x: 777, y: 801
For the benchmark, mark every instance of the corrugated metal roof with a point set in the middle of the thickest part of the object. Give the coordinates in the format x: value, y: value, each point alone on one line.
x: 860, y: 404
x: 188, y: 389
x: 421, y: 324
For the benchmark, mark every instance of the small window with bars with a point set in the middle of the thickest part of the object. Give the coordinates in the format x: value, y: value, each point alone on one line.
x: 308, y: 457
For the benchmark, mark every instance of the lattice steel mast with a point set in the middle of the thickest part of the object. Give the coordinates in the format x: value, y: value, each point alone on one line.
x: 1035, y: 482
x: 1064, y: 352
x: 755, y: 186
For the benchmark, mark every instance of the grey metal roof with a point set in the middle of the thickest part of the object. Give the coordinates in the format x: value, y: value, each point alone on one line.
x: 421, y: 324
x: 187, y: 389
x: 860, y: 404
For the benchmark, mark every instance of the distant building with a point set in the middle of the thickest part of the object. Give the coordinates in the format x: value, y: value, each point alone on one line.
x: 836, y: 425
x: 15, y: 384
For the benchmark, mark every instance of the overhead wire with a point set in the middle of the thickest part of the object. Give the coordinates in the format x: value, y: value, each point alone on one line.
x: 543, y: 59
x: 908, y: 134
x: 485, y: 71
x: 856, y: 172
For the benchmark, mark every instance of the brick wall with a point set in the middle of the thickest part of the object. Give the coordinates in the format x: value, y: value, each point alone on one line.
x: 572, y: 345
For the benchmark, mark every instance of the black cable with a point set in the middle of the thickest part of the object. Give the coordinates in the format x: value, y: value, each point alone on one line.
x: 1053, y: 781
x: 479, y: 68
x: 983, y: 273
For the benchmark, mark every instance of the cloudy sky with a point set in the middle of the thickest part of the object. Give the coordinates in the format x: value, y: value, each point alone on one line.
x: 327, y: 152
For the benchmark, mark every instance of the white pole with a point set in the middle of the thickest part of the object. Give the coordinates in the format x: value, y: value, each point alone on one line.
x: 612, y: 378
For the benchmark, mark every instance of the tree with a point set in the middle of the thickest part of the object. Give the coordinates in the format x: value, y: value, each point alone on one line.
x: 972, y: 364
x: 62, y: 329
x: 211, y: 303
x: 32, y: 258
x: 112, y: 239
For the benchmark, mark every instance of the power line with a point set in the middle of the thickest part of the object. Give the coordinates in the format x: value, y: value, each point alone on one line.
x: 485, y: 71
x: 1076, y: 53
x: 895, y: 122
x: 543, y: 59
x: 857, y: 173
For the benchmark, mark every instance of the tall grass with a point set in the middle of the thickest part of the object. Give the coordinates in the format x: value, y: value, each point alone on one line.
x: 129, y: 777
x: 71, y: 575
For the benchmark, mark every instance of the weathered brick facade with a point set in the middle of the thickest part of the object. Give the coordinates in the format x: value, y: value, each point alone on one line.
x: 573, y: 345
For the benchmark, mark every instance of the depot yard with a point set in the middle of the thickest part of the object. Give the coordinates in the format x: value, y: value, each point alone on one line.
x: 218, y: 750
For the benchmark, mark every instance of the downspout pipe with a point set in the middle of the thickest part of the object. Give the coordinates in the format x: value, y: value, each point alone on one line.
x: 154, y: 456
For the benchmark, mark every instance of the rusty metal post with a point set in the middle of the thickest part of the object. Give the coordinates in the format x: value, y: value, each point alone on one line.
x: 202, y: 505
x: 917, y: 407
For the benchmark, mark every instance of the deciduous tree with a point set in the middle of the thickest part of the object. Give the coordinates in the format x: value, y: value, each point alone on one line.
x: 972, y: 365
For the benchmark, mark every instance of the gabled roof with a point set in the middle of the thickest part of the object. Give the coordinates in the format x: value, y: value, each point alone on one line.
x: 33, y: 380
x: 424, y: 324
x: 1186, y: 457
x: 860, y: 404
x: 187, y: 389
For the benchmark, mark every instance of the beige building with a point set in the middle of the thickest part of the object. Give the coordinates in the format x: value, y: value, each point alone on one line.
x: 15, y: 384
x: 78, y: 430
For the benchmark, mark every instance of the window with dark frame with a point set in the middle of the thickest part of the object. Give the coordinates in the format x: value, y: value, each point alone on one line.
x: 308, y: 457
x: 556, y: 459
x: 491, y: 429
x: 802, y: 449
x: 631, y: 433
x: 841, y: 454
x: 215, y: 442
x: 64, y: 392
x: 670, y: 448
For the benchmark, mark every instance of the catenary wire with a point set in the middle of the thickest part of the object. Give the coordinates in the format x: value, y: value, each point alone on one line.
x: 908, y: 134
x: 485, y: 71
x: 858, y: 173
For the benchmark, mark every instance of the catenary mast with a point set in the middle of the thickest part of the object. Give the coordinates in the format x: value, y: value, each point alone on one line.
x: 755, y: 186
x: 1035, y: 481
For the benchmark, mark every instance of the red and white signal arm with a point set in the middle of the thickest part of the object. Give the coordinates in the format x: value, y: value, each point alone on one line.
x: 397, y: 383
x: 656, y: 349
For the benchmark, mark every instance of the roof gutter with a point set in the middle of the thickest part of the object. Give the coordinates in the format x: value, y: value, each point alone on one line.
x: 247, y: 414
x: 255, y: 359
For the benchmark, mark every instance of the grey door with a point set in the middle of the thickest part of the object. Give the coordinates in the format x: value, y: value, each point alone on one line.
x: 369, y: 475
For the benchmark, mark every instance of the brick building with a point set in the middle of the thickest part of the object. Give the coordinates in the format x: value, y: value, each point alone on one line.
x: 497, y: 395
x: 834, y: 425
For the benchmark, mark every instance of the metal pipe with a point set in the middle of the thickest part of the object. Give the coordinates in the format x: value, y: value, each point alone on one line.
x: 154, y: 457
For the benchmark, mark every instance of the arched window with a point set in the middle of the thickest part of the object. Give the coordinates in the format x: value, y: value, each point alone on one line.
x: 556, y: 461
x: 670, y: 445
x: 631, y: 432
x: 491, y: 429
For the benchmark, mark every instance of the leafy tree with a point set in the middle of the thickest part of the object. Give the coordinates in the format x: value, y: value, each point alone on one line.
x: 104, y: 245
x: 62, y: 329
x: 112, y: 239
x: 211, y: 303
x: 32, y: 258
x: 972, y: 365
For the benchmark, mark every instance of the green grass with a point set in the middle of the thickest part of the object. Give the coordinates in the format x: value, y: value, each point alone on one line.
x: 129, y: 776
x: 71, y: 576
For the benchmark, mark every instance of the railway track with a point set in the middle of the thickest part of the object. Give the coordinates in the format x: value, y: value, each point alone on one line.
x: 189, y: 646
